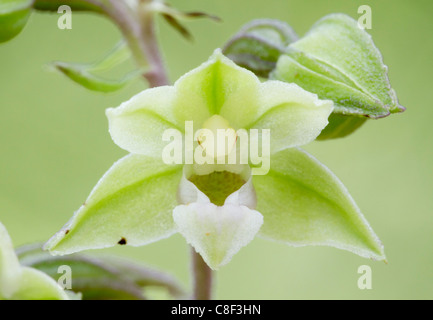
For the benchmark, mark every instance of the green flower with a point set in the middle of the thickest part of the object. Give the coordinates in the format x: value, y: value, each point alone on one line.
x: 217, y: 207
x: 23, y: 283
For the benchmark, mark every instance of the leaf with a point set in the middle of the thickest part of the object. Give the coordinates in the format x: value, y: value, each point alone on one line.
x: 165, y: 8
x: 76, y: 5
x: 303, y: 203
x: 84, y: 74
x: 259, y: 44
x: 173, y: 15
x: 178, y: 26
x: 98, y: 278
x: 132, y: 204
x: 339, y: 61
x: 13, y: 17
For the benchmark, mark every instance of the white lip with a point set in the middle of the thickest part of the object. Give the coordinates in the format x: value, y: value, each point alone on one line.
x: 217, y: 232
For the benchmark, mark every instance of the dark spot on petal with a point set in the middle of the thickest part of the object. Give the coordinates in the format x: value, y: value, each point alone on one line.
x: 66, y: 232
x: 122, y: 242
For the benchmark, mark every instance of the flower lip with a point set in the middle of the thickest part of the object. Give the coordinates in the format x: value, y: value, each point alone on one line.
x: 241, y: 193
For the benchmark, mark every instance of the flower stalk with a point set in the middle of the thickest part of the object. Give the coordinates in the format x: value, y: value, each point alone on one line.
x: 139, y: 31
x: 202, y: 277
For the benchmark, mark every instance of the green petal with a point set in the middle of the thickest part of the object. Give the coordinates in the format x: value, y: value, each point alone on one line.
x: 218, y: 86
x: 9, y: 265
x: 294, y: 116
x: 339, y: 61
x: 303, y: 203
x: 138, y: 125
x: 36, y: 285
x: 23, y: 283
x: 13, y: 17
x: 132, y: 204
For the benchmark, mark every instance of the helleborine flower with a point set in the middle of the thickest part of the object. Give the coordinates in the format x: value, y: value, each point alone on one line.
x: 218, y: 208
x: 23, y: 283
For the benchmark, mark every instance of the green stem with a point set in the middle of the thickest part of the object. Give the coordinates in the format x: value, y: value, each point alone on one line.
x: 138, y: 28
x: 202, y: 278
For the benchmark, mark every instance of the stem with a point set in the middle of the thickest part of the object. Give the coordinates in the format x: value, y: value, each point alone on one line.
x: 157, y: 75
x: 138, y: 28
x: 202, y: 277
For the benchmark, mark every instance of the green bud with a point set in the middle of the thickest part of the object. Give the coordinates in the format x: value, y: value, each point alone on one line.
x: 259, y: 44
x: 338, y: 61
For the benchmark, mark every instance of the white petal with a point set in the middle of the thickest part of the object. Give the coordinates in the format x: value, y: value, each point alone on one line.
x: 217, y: 233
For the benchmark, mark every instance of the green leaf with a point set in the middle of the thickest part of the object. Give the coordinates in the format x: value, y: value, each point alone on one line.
x: 173, y: 15
x: 13, y: 17
x: 85, y: 74
x: 76, y: 5
x: 339, y: 61
x: 132, y: 204
x: 303, y: 203
x: 259, y: 44
x: 98, y: 278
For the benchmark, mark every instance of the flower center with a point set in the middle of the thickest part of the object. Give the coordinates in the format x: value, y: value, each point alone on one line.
x: 216, y: 137
x: 218, y: 185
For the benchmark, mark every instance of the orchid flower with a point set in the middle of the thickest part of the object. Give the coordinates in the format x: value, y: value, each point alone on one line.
x: 23, y: 283
x: 219, y: 208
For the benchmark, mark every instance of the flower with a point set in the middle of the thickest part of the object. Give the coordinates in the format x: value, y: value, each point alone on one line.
x: 23, y: 283
x: 218, y: 207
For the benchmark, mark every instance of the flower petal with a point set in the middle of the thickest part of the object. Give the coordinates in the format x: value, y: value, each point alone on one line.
x: 189, y: 193
x: 303, y: 203
x: 217, y: 233
x: 36, y: 285
x: 137, y: 125
x: 218, y: 86
x: 131, y: 204
x: 23, y: 283
x: 9, y: 265
x: 294, y: 116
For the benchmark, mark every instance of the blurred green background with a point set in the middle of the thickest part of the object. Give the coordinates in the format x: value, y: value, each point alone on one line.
x: 55, y: 146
